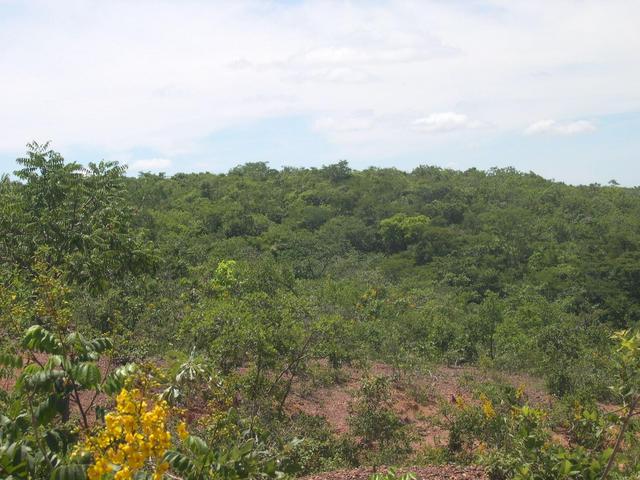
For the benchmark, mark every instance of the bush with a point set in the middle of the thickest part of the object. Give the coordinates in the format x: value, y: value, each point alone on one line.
x: 383, y: 437
x: 321, y: 449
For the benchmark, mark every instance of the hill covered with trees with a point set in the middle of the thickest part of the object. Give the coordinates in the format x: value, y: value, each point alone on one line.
x: 222, y: 294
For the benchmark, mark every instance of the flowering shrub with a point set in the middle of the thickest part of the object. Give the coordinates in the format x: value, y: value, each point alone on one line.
x: 516, y: 441
x: 528, y: 453
x: 134, y: 438
x: 471, y: 425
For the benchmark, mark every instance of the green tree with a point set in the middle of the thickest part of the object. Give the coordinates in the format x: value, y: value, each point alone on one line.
x: 78, y: 217
x: 400, y: 231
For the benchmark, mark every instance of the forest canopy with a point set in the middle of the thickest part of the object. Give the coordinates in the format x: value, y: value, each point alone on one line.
x: 252, y: 278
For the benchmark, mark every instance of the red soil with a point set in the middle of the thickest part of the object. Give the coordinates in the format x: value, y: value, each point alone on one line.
x: 421, y: 411
x: 439, y: 472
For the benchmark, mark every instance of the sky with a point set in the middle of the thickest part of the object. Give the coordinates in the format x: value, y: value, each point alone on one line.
x: 550, y: 86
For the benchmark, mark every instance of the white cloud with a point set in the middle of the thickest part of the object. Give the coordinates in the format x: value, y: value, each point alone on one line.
x: 443, y: 122
x: 347, y: 124
x: 150, y: 164
x: 332, y: 75
x: 350, y: 55
x: 162, y: 76
x: 555, y: 128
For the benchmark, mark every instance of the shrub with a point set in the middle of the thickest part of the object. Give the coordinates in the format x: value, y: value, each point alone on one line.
x: 384, y: 438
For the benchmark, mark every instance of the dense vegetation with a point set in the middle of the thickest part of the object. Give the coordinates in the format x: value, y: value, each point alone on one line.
x: 219, y: 291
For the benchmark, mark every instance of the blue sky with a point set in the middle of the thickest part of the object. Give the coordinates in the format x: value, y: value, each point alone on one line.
x: 547, y: 86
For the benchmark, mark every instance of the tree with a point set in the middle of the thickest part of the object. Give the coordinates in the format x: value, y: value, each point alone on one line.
x: 400, y: 231
x: 79, y: 218
x: 57, y: 369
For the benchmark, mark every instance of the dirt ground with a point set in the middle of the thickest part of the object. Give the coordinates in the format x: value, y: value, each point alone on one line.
x: 417, y: 400
x: 439, y: 472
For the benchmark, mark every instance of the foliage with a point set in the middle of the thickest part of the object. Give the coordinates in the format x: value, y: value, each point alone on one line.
x: 77, y: 216
x: 241, y: 284
x: 383, y: 436
x: 319, y: 449
x: 530, y: 454
x: 515, y: 440
x: 135, y: 434
x: 57, y: 370
x: 400, y: 231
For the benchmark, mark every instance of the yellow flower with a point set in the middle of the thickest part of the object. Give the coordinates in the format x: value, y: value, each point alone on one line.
x: 163, y: 467
x: 123, y: 474
x: 134, y: 435
x: 487, y: 407
x: 182, y: 431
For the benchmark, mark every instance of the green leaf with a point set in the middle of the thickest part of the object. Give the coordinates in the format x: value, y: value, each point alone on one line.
x: 35, y: 378
x: 48, y: 409
x: 100, y: 345
x: 39, y: 339
x: 197, y: 445
x: 179, y: 462
x: 116, y: 379
x: 86, y: 374
x: 69, y: 472
x: 17, y: 458
x: 11, y: 361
